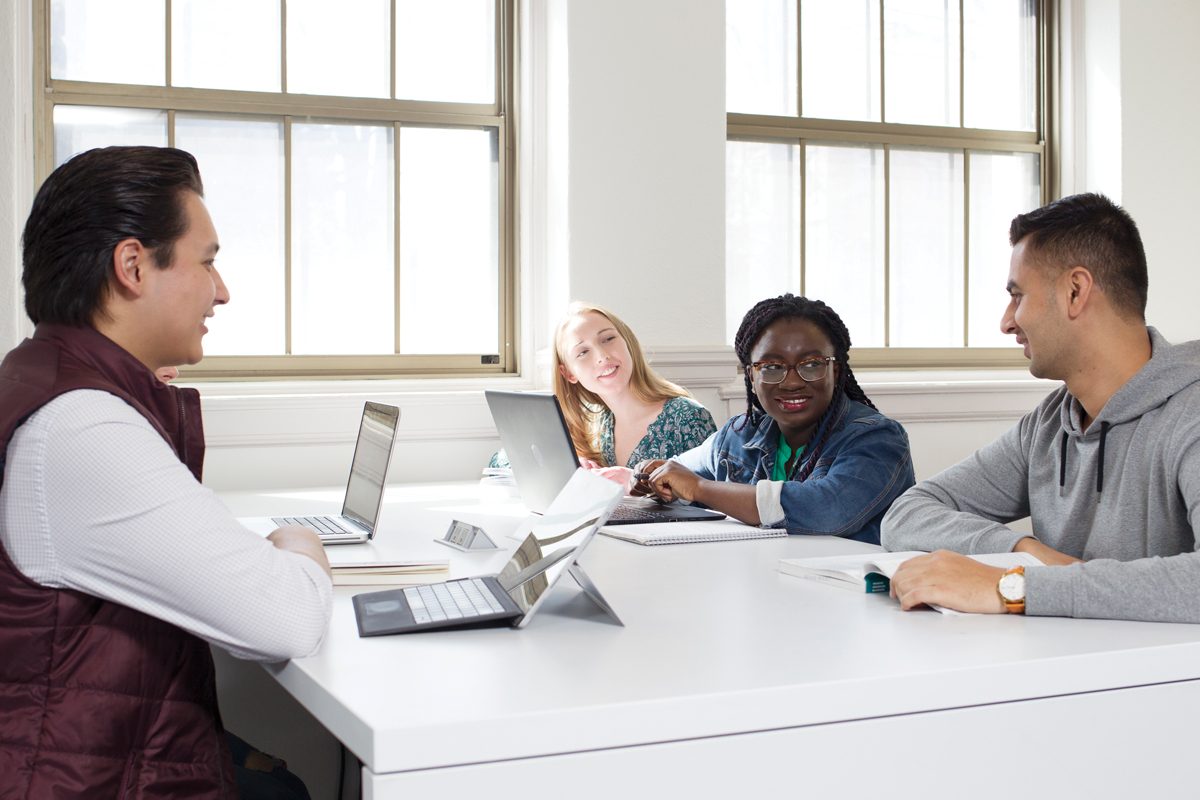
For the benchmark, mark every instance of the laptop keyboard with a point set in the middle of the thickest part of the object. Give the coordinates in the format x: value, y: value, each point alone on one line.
x: 326, y: 526
x: 463, y: 599
x: 628, y: 512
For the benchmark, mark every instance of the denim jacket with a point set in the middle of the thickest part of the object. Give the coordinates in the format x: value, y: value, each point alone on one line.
x: 864, y: 466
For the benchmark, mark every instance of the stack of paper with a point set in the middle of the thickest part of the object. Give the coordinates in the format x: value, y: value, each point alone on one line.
x: 390, y: 573
x: 370, y: 565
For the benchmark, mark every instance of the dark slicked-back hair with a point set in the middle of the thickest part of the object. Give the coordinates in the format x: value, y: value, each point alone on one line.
x: 790, y: 306
x: 87, y: 206
x: 1089, y: 230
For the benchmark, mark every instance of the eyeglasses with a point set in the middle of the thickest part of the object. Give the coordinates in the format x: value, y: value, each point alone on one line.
x: 809, y: 370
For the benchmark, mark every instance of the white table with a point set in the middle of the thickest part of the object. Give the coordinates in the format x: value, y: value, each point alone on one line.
x: 729, y: 679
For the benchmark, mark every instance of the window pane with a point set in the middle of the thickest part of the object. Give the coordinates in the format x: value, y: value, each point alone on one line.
x: 342, y: 254
x: 844, y: 236
x: 449, y: 247
x: 840, y: 49
x: 79, y: 128
x: 760, y: 57
x: 921, y: 61
x: 1002, y: 186
x: 117, y: 41
x: 926, y: 248
x: 241, y: 163
x: 762, y: 225
x: 204, y: 32
x: 446, y: 50
x: 1000, y: 66
x: 339, y: 48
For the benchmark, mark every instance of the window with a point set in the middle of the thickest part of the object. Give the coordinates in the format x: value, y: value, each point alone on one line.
x: 876, y: 153
x: 355, y: 157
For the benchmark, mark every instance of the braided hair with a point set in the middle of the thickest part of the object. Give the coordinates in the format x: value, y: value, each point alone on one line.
x: 789, y: 306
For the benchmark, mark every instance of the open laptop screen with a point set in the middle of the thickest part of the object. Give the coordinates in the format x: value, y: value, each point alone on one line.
x: 376, y: 437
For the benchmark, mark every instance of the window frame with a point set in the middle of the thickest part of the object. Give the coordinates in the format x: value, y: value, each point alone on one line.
x: 800, y: 130
x: 286, y: 108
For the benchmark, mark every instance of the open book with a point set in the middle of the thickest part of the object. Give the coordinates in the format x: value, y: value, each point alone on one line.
x: 872, y: 572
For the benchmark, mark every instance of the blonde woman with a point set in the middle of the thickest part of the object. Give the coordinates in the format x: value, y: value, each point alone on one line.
x: 619, y: 411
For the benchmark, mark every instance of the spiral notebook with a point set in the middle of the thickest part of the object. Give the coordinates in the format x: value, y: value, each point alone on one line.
x: 687, y: 532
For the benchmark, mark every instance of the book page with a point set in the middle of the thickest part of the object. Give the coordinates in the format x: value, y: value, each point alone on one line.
x: 852, y: 567
x: 886, y: 564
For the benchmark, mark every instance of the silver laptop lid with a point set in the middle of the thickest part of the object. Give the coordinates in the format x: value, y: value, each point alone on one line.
x: 534, y: 435
x: 368, y: 471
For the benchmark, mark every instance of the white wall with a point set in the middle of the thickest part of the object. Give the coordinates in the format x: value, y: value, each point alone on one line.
x: 1159, y: 157
x: 647, y: 166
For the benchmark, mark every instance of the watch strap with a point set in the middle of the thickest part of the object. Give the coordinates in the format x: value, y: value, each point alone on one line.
x: 1012, y: 606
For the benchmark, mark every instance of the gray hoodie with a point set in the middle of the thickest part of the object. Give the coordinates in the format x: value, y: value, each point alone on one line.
x: 1124, y: 495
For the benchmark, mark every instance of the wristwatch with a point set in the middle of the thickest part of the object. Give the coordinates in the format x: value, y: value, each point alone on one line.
x: 1012, y: 590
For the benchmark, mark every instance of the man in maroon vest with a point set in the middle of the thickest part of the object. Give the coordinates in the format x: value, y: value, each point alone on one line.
x: 117, y: 567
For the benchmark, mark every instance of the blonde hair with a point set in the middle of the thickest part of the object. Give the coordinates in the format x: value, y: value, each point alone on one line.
x: 581, y: 407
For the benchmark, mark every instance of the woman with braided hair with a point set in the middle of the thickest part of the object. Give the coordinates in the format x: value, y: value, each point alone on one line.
x: 811, y: 453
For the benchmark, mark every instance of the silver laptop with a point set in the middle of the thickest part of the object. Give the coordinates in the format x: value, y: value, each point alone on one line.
x: 553, y: 547
x: 364, y: 489
x: 539, y: 447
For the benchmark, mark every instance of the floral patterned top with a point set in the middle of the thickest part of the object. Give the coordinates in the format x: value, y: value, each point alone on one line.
x: 682, y: 425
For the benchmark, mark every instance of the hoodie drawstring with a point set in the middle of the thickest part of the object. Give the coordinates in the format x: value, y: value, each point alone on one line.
x: 1062, y: 460
x: 1100, y: 466
x: 1062, y: 463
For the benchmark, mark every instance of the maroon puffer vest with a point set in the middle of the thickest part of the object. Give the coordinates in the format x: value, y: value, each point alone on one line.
x: 96, y: 699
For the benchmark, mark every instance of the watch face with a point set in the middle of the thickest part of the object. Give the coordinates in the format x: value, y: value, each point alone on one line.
x: 1012, y: 587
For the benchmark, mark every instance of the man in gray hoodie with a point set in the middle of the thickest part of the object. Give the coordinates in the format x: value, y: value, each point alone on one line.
x: 1107, y: 467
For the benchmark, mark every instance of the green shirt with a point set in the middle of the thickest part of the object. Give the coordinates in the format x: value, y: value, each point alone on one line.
x: 782, y: 457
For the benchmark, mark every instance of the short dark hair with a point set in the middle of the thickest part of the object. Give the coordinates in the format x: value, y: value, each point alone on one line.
x: 88, y: 205
x: 1092, y: 231
x: 790, y: 306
